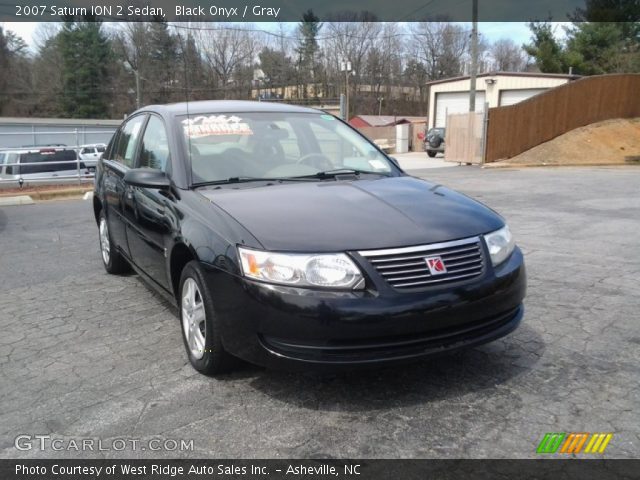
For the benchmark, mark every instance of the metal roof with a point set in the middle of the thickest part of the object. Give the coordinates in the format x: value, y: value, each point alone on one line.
x: 507, y: 74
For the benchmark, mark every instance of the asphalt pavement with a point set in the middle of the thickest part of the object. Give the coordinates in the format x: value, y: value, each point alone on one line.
x: 84, y: 354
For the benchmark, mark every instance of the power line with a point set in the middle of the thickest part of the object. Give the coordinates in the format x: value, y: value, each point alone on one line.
x: 320, y: 38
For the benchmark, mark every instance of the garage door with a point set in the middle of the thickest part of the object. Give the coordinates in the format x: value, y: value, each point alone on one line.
x: 509, y: 97
x: 455, y: 102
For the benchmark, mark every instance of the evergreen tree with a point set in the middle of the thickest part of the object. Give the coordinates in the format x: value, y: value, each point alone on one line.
x: 85, y: 52
x: 308, y: 47
x: 191, y: 69
x: 163, y: 62
x: 547, y: 51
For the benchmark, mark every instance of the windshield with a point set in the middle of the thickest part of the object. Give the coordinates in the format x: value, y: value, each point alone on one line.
x: 275, y: 145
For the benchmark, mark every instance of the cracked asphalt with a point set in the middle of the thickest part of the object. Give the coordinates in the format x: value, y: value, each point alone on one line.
x: 86, y: 354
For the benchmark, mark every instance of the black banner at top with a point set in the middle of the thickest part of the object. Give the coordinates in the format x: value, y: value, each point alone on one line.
x: 327, y: 10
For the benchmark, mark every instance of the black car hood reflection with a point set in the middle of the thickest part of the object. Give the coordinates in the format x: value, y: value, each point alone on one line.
x: 363, y: 214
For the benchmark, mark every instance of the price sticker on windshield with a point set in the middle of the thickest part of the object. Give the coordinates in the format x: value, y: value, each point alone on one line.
x: 206, y: 126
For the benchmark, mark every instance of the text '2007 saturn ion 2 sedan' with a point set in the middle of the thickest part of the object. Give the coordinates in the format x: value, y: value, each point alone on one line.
x: 287, y: 239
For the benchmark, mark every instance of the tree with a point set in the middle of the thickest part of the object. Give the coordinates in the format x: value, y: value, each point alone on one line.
x: 507, y: 56
x: 547, y: 51
x: 596, y: 48
x: 308, y: 48
x: 276, y: 66
x: 351, y: 38
x: 15, y: 44
x: 442, y: 47
x: 591, y: 47
x: 161, y: 69
x: 85, y: 53
x: 191, y: 69
x: 4, y: 68
x: 415, y: 74
x: 225, y: 51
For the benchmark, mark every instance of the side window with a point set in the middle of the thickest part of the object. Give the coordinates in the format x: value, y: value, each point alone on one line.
x: 111, y: 147
x: 125, y: 149
x: 154, y: 152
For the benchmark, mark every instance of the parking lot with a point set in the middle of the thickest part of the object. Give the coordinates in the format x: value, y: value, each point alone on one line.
x: 86, y: 354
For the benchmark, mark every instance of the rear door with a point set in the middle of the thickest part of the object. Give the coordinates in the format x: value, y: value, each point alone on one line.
x: 121, y: 158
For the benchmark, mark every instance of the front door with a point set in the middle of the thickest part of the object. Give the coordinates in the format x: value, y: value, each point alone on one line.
x: 122, y: 155
x: 151, y: 211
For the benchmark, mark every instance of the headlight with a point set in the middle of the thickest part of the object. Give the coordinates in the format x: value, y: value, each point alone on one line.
x: 500, y: 244
x: 301, y: 270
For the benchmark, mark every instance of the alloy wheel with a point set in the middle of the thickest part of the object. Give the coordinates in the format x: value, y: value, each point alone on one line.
x: 105, y: 246
x: 193, y: 318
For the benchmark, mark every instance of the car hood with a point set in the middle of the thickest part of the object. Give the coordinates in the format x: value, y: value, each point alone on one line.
x: 334, y: 216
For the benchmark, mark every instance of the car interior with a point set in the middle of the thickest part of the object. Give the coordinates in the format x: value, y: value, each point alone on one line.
x: 279, y: 148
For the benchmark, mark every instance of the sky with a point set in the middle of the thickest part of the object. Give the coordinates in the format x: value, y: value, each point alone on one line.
x: 517, y: 31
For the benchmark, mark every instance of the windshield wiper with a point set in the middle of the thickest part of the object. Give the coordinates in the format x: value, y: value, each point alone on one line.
x: 248, y: 179
x: 341, y: 171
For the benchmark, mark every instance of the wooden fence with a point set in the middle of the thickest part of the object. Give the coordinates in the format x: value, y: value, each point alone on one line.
x: 517, y: 128
x: 463, y: 138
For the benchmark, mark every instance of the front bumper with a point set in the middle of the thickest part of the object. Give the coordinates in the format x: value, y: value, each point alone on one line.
x: 299, y: 329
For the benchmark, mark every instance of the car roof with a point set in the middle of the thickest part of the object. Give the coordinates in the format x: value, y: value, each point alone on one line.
x: 224, y: 106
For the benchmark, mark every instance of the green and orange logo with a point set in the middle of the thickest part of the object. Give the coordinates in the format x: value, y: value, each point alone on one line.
x: 574, y: 442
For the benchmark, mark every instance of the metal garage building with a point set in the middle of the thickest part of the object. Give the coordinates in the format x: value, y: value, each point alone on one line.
x: 497, y: 89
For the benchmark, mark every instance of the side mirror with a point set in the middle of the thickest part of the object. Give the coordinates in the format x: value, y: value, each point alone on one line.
x: 147, y: 178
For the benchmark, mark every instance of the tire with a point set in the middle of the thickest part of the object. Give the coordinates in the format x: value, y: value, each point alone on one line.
x: 435, y: 142
x: 199, y: 324
x: 432, y: 154
x: 112, y: 259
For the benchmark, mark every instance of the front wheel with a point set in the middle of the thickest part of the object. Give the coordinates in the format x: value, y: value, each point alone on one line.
x: 112, y: 259
x: 432, y: 154
x: 200, y: 326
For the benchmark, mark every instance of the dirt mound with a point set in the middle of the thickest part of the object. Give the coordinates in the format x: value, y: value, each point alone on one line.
x: 612, y: 142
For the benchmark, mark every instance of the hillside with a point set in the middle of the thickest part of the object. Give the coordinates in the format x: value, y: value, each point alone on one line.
x: 612, y: 142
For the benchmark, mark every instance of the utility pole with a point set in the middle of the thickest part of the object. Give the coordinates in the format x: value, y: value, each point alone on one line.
x: 474, y: 58
x: 138, y: 91
x: 345, y: 66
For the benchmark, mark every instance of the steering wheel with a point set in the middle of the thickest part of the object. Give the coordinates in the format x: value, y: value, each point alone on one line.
x: 317, y: 160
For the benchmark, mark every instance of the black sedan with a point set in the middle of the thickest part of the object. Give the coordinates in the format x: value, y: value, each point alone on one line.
x: 287, y: 239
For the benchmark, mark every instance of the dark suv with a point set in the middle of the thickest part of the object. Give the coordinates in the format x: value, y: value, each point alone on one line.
x: 434, y: 141
x: 38, y: 163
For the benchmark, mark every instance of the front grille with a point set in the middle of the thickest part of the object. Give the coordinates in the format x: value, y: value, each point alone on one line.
x: 406, y: 268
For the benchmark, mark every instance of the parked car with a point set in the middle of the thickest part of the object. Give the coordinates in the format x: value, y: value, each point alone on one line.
x: 90, y: 154
x: 38, y: 163
x: 434, y: 141
x: 288, y: 239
